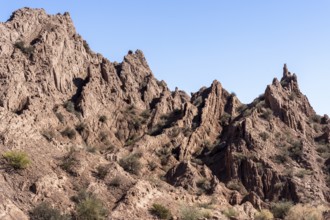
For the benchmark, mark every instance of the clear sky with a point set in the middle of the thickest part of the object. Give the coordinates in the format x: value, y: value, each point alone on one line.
x: 189, y: 43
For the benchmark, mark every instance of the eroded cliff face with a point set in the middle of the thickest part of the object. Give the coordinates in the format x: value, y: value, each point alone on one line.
x: 75, y: 113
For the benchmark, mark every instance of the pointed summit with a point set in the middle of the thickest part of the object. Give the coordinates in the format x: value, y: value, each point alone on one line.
x: 285, y: 70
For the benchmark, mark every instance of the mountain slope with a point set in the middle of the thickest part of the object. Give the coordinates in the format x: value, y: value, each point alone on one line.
x: 113, y: 130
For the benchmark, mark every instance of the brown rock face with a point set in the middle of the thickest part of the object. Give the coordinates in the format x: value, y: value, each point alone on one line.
x: 91, y: 126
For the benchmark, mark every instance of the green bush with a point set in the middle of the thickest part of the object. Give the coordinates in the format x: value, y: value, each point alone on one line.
x: 236, y: 185
x: 230, y: 213
x: 160, y: 211
x: 264, y: 214
x: 191, y: 213
x: 131, y: 164
x: 16, y: 159
x: 91, y: 209
x: 306, y: 212
x: 281, y: 209
x: 45, y: 212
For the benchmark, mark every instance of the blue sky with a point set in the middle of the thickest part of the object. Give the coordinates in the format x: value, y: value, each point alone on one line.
x: 243, y: 44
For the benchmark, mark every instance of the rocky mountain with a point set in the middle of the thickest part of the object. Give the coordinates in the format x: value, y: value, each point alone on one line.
x: 85, y: 138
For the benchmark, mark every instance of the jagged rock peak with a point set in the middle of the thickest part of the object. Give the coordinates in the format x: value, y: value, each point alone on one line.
x: 27, y: 12
x: 289, y: 80
x: 76, y: 115
x: 285, y: 70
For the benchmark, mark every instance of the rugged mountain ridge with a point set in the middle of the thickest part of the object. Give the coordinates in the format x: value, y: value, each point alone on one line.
x: 73, y: 112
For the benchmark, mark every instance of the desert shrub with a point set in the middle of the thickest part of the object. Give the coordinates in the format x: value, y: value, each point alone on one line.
x: 190, y: 213
x: 305, y: 212
x: 324, y: 150
x: 48, y: 134
x: 152, y: 165
x: 28, y: 50
x: 69, y: 106
x: 164, y: 155
x: 225, y: 118
x: 103, y: 136
x: 17, y: 159
x: 91, y: 149
x: 160, y: 211
x: 69, y: 161
x: 296, y: 150
x: 102, y: 171
x: 86, y: 46
x: 164, y: 151
x: 59, y: 116
x: 103, y: 118
x: 316, y: 118
x: 145, y: 114
x: 281, y: 209
x: 131, y: 164
x: 293, y: 95
x: 239, y: 156
x: 281, y: 158
x: 230, y: 213
x: 264, y: 136
x: 69, y: 132
x: 264, y: 214
x: 116, y: 181
x: 247, y: 112
x: 175, y: 132
x: 131, y: 140
x: 197, y: 161
x: 267, y: 114
x: 204, y: 185
x: 81, y: 195
x: 45, y: 212
x: 242, y: 107
x: 279, y: 185
x: 198, y: 101
x: 260, y: 105
x: 301, y: 173
x: 236, y: 185
x: 91, y: 208
x: 81, y: 127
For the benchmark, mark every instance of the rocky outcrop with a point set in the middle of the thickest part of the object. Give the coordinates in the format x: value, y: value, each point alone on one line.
x: 112, y: 129
x: 287, y: 102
